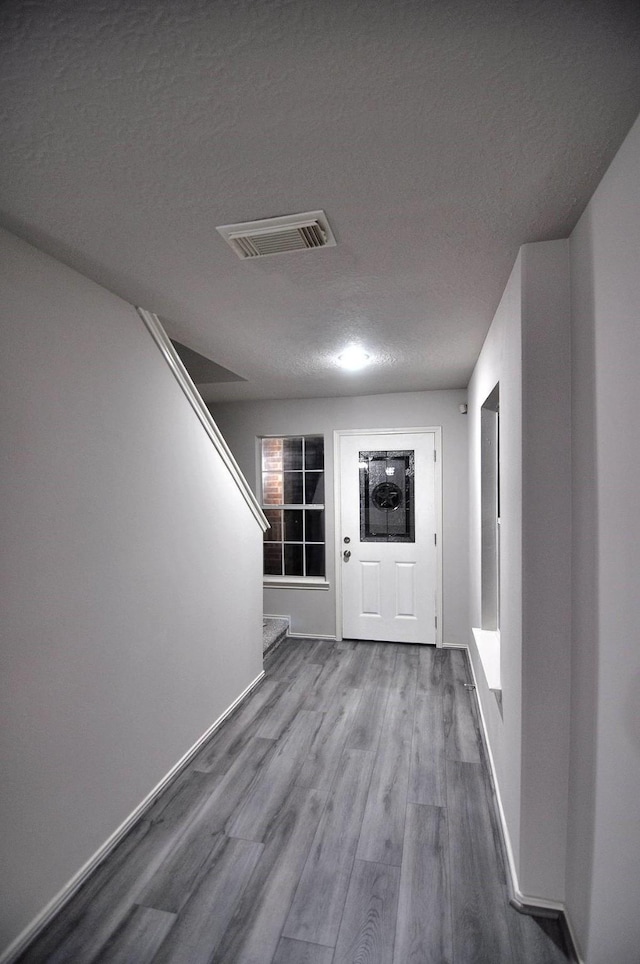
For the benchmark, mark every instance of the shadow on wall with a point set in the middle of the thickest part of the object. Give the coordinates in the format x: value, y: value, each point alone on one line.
x: 585, y: 590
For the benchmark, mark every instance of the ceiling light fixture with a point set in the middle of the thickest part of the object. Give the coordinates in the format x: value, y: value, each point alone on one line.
x: 353, y: 358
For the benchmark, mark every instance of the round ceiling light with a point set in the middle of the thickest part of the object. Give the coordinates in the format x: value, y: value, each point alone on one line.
x: 353, y: 358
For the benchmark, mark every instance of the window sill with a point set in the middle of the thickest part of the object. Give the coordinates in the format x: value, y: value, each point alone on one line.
x: 295, y: 582
x: 488, y: 645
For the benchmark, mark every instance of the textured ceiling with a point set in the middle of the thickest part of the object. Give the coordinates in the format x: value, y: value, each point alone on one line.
x: 437, y: 136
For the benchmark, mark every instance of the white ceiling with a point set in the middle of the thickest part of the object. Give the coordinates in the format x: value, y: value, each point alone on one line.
x: 437, y: 137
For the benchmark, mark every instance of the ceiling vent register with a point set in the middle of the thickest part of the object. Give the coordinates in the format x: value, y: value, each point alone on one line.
x: 295, y: 232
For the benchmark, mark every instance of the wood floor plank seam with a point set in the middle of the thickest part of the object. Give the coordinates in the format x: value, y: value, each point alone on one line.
x: 334, y: 945
x: 256, y: 929
x: 329, y: 741
x: 193, y: 885
x: 383, y: 820
x: 321, y: 890
x: 301, y: 952
x: 367, y: 928
x: 424, y: 933
x: 410, y: 927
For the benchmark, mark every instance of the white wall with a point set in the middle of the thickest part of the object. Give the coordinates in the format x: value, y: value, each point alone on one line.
x: 313, y: 612
x: 603, y: 883
x: 546, y: 566
x: 527, y: 351
x: 126, y: 631
x: 501, y: 361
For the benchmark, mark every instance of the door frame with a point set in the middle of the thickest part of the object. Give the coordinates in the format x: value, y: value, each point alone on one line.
x: 436, y: 431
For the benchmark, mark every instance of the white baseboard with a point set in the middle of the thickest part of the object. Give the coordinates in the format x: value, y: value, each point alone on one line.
x: 543, y: 905
x: 521, y: 902
x: 574, y: 939
x: 313, y: 636
x: 37, y: 925
x: 299, y: 635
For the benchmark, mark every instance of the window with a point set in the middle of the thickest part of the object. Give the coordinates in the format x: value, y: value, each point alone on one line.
x: 293, y: 502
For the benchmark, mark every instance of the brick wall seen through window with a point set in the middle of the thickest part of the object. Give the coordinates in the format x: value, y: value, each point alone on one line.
x: 293, y: 502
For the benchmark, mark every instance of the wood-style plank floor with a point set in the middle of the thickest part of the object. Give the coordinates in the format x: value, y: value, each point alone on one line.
x: 342, y: 815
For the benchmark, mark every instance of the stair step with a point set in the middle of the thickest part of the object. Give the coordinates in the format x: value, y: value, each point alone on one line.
x: 273, y: 632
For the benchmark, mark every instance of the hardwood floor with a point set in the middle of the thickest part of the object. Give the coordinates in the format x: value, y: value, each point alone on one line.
x: 342, y: 815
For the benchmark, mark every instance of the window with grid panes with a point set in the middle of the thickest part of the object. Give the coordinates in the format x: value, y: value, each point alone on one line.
x: 293, y: 502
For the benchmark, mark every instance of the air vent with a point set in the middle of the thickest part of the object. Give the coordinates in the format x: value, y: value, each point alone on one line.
x: 296, y: 232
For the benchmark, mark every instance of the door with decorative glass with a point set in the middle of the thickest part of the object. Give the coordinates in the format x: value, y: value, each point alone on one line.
x: 387, y: 531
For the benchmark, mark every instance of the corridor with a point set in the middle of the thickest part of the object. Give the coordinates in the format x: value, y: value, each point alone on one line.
x: 343, y: 814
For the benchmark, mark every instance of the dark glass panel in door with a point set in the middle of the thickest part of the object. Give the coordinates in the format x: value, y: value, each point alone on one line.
x: 387, y: 496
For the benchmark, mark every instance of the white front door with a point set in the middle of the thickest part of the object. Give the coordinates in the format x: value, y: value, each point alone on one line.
x: 387, y: 534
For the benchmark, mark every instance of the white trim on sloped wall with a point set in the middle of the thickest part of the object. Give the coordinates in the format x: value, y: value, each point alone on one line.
x: 162, y: 340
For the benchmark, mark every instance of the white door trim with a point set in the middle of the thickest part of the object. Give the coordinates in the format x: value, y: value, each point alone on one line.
x: 436, y: 431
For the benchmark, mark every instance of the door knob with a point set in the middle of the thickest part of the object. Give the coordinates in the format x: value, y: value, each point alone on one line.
x: 346, y: 555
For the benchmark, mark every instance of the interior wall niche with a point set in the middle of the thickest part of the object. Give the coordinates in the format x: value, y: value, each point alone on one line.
x: 490, y: 505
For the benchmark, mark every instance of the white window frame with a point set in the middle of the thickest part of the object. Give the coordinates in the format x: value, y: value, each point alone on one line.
x: 288, y: 581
